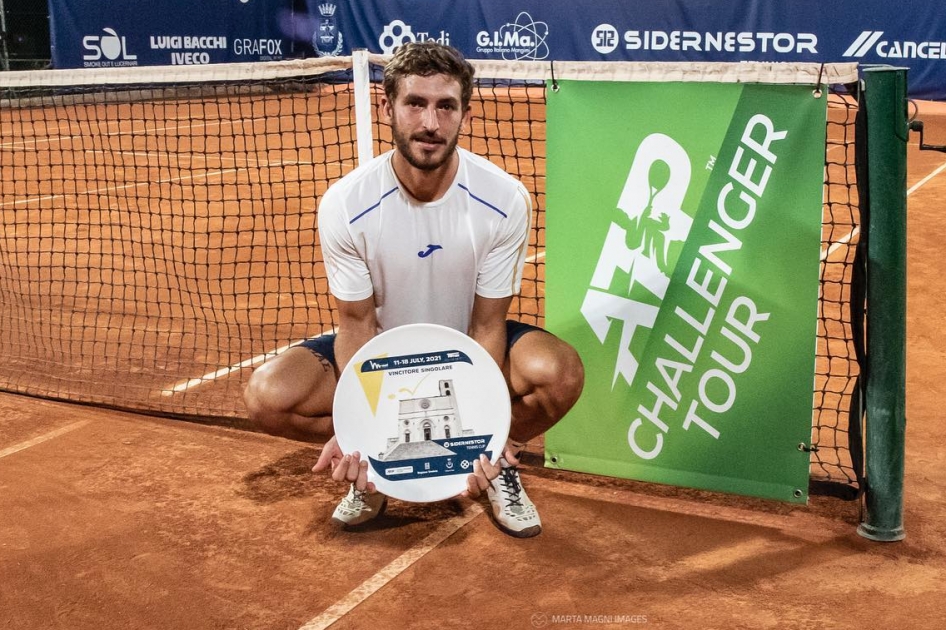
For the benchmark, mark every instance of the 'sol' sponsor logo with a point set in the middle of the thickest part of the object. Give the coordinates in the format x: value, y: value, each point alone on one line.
x: 110, y: 49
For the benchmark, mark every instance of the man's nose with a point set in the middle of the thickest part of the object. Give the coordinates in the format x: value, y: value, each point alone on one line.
x: 431, y: 120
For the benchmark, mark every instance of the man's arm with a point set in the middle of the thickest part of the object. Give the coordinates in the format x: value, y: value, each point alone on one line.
x: 357, y: 324
x: 488, y: 326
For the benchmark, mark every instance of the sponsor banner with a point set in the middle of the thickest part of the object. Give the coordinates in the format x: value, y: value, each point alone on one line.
x: 94, y: 34
x: 910, y: 33
x: 481, y: 29
x: 691, y: 290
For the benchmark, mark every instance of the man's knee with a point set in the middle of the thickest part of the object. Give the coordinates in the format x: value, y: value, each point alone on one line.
x: 284, y: 393
x: 557, y: 375
x: 263, y: 400
x: 570, y: 379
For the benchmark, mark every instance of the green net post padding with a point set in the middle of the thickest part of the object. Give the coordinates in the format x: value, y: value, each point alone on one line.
x: 887, y: 129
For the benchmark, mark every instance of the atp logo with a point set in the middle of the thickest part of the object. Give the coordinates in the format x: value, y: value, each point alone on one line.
x: 430, y: 250
x: 652, y: 203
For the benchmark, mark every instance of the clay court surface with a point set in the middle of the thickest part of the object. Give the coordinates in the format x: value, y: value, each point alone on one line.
x: 112, y: 520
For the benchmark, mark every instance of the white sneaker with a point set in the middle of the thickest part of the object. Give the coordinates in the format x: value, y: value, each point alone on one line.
x: 512, y: 511
x: 359, y: 507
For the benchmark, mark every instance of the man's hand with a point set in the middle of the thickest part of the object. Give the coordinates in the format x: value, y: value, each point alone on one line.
x: 484, y: 472
x: 348, y: 468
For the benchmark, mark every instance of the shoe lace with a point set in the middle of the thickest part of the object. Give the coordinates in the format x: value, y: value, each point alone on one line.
x: 509, y: 479
x: 359, y: 496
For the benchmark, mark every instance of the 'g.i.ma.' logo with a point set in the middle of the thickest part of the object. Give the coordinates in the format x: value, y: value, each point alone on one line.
x: 652, y: 201
x: 516, y: 41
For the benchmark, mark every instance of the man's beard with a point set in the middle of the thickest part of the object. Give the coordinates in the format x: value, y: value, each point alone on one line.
x: 423, y: 162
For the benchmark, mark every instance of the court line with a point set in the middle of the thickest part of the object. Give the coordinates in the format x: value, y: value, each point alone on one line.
x: 926, y: 179
x: 244, y: 162
x: 60, y: 134
x: 57, y: 135
x: 857, y: 230
x: 836, y: 245
x: 111, y: 189
x: 226, y: 371
x: 10, y: 450
x: 191, y: 383
x: 370, y: 586
x: 797, y: 523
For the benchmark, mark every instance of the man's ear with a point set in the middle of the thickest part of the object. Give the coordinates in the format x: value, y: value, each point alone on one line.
x: 467, y: 119
x: 384, y: 109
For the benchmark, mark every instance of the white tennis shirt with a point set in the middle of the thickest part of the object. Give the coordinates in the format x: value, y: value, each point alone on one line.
x: 423, y: 262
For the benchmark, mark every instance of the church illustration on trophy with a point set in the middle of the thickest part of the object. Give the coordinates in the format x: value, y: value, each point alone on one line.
x: 422, y: 420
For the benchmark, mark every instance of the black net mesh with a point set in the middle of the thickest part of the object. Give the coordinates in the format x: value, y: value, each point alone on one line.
x: 159, y: 240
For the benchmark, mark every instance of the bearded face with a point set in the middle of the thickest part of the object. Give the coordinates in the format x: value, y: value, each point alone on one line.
x: 426, y: 120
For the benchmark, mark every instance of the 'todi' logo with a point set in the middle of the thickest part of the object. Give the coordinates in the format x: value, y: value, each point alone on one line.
x: 395, y: 35
x: 112, y: 47
x: 398, y: 33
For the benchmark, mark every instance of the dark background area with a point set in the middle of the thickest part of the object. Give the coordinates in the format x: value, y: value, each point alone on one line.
x: 24, y: 42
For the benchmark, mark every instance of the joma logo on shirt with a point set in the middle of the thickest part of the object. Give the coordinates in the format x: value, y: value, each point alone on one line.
x: 430, y: 250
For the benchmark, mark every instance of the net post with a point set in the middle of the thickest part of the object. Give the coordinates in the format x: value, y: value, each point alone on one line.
x: 361, y: 76
x: 887, y: 131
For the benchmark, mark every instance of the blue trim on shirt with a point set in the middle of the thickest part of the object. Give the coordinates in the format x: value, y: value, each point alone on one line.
x: 482, y: 201
x: 374, y: 206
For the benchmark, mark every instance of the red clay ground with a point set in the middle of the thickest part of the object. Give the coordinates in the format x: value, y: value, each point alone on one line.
x: 124, y: 521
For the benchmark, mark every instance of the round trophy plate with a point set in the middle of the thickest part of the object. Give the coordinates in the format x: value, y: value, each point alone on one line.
x: 421, y: 403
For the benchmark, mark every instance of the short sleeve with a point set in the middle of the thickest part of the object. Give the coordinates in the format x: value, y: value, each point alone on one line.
x: 347, y: 271
x: 501, y: 273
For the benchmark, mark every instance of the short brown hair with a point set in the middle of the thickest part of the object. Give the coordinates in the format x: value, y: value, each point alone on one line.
x: 425, y: 59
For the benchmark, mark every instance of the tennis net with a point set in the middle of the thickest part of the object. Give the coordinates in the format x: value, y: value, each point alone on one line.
x: 159, y: 228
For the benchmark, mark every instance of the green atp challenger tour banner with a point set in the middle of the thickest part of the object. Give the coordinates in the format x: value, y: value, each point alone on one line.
x: 683, y: 249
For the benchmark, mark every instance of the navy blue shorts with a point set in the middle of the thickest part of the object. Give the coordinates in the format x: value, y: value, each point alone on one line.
x: 325, y: 344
